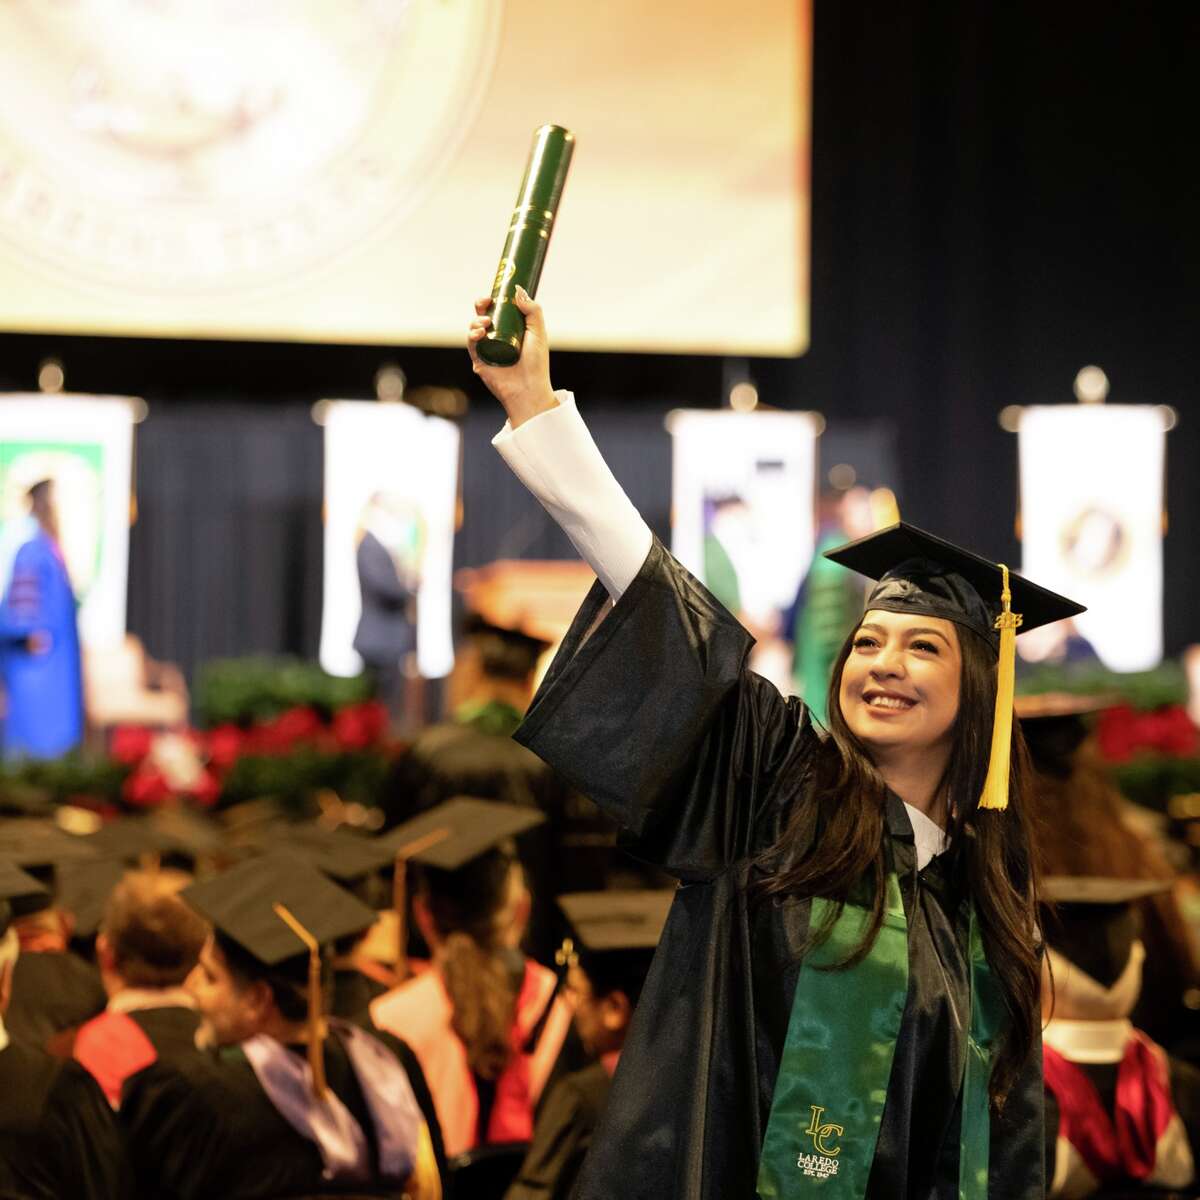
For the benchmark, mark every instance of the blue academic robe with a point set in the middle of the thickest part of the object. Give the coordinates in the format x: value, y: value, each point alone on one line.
x: 44, y: 691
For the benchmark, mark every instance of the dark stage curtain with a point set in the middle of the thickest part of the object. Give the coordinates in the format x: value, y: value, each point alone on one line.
x: 225, y: 557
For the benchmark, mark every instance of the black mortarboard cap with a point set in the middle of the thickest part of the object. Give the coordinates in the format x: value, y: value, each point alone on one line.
x: 240, y: 904
x: 342, y: 855
x: 39, y: 845
x: 1094, y: 922
x: 922, y: 574
x: 84, y: 889
x: 614, y: 935
x: 20, y: 891
x: 617, y: 920
x: 455, y: 833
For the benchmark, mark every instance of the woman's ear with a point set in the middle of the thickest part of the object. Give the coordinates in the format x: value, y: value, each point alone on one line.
x: 616, y: 1011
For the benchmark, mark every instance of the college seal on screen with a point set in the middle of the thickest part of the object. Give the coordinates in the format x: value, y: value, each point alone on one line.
x: 210, y: 144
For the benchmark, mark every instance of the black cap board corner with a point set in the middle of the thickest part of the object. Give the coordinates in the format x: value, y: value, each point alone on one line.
x: 617, y: 921
x: 240, y: 904
x: 455, y: 833
x: 20, y: 891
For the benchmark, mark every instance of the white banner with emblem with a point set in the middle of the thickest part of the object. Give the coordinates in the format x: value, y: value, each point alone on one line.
x: 1092, y: 521
x: 391, y: 480
x: 743, y: 517
x: 84, y: 445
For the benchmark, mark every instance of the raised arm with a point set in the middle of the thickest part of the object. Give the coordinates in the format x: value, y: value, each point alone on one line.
x: 650, y: 709
x: 550, y: 450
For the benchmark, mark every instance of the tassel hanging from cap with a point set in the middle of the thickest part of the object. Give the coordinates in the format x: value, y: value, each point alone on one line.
x: 995, y: 787
x: 316, y: 1030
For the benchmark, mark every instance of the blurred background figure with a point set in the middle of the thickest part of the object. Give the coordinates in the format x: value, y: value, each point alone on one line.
x: 389, y: 577
x: 293, y: 1103
x: 53, y: 989
x: 149, y: 943
x: 486, y: 1022
x: 614, y: 936
x: 57, y: 1133
x: 1120, y: 1112
x: 830, y: 599
x: 40, y: 670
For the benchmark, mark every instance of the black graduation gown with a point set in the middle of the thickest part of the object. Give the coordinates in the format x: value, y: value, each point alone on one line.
x: 58, y: 1136
x: 566, y: 1121
x: 202, y: 1128
x: 701, y: 762
x: 53, y: 991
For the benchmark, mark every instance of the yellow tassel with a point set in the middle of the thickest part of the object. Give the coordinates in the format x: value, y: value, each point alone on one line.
x: 995, y: 787
x: 316, y: 1029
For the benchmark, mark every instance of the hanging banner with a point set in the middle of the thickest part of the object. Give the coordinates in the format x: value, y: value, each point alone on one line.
x: 1092, y: 526
x: 391, y: 490
x: 742, y: 515
x: 84, y: 445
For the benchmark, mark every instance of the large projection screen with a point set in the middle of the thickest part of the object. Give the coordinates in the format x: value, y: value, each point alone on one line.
x: 343, y: 170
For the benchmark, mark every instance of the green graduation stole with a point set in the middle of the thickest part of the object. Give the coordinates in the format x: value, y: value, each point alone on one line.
x: 837, y: 1061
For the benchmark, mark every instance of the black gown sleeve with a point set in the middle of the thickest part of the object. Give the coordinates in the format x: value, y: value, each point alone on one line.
x: 1017, y: 1162
x: 654, y: 714
x: 81, y: 1141
x: 560, y: 1141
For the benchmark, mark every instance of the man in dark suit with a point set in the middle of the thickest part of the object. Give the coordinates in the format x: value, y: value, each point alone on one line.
x: 388, y: 579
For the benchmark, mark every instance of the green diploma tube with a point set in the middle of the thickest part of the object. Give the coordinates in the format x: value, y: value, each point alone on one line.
x: 525, y: 247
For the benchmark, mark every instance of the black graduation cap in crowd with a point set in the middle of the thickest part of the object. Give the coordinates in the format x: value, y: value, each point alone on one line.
x: 344, y: 856
x: 613, y: 936
x: 84, y: 889
x: 20, y: 893
x: 453, y: 834
x: 40, y: 847
x: 240, y: 904
x: 1094, y: 922
x: 924, y: 575
x: 1055, y: 727
x: 509, y: 653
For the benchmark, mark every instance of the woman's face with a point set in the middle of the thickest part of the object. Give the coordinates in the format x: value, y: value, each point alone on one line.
x: 900, y: 684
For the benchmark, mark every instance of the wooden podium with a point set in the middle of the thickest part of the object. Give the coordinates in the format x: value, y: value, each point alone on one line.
x: 537, y: 598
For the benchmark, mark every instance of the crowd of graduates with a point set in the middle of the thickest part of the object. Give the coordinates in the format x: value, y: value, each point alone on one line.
x: 254, y: 1003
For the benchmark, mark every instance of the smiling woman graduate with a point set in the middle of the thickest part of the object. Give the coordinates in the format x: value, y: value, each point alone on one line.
x: 845, y: 1000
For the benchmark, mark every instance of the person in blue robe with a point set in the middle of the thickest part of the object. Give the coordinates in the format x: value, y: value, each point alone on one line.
x: 40, y: 673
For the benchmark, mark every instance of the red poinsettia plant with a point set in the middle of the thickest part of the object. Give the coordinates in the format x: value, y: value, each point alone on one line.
x: 1123, y: 733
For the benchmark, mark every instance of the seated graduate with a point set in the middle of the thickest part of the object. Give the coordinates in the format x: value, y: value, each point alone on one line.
x: 292, y: 1104
x: 1121, y: 1114
x: 149, y: 943
x: 54, y: 990
x: 615, y: 934
x: 847, y: 991
x: 485, y: 1021
x: 58, y: 1136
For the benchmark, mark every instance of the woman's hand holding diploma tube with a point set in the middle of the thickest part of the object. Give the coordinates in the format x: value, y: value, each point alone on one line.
x: 524, y: 388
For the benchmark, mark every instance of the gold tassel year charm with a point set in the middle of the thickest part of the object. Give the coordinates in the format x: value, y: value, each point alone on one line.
x: 995, y: 787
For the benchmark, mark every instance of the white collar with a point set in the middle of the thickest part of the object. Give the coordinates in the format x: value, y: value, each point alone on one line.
x: 136, y: 999
x: 1089, y: 1041
x: 931, y: 839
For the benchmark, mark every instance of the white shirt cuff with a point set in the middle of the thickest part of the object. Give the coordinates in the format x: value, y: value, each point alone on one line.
x: 554, y: 456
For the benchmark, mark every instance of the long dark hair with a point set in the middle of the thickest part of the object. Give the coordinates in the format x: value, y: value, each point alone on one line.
x: 465, y: 907
x: 989, y: 856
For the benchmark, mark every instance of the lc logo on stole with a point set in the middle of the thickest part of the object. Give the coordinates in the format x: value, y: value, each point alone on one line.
x: 824, y: 1162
